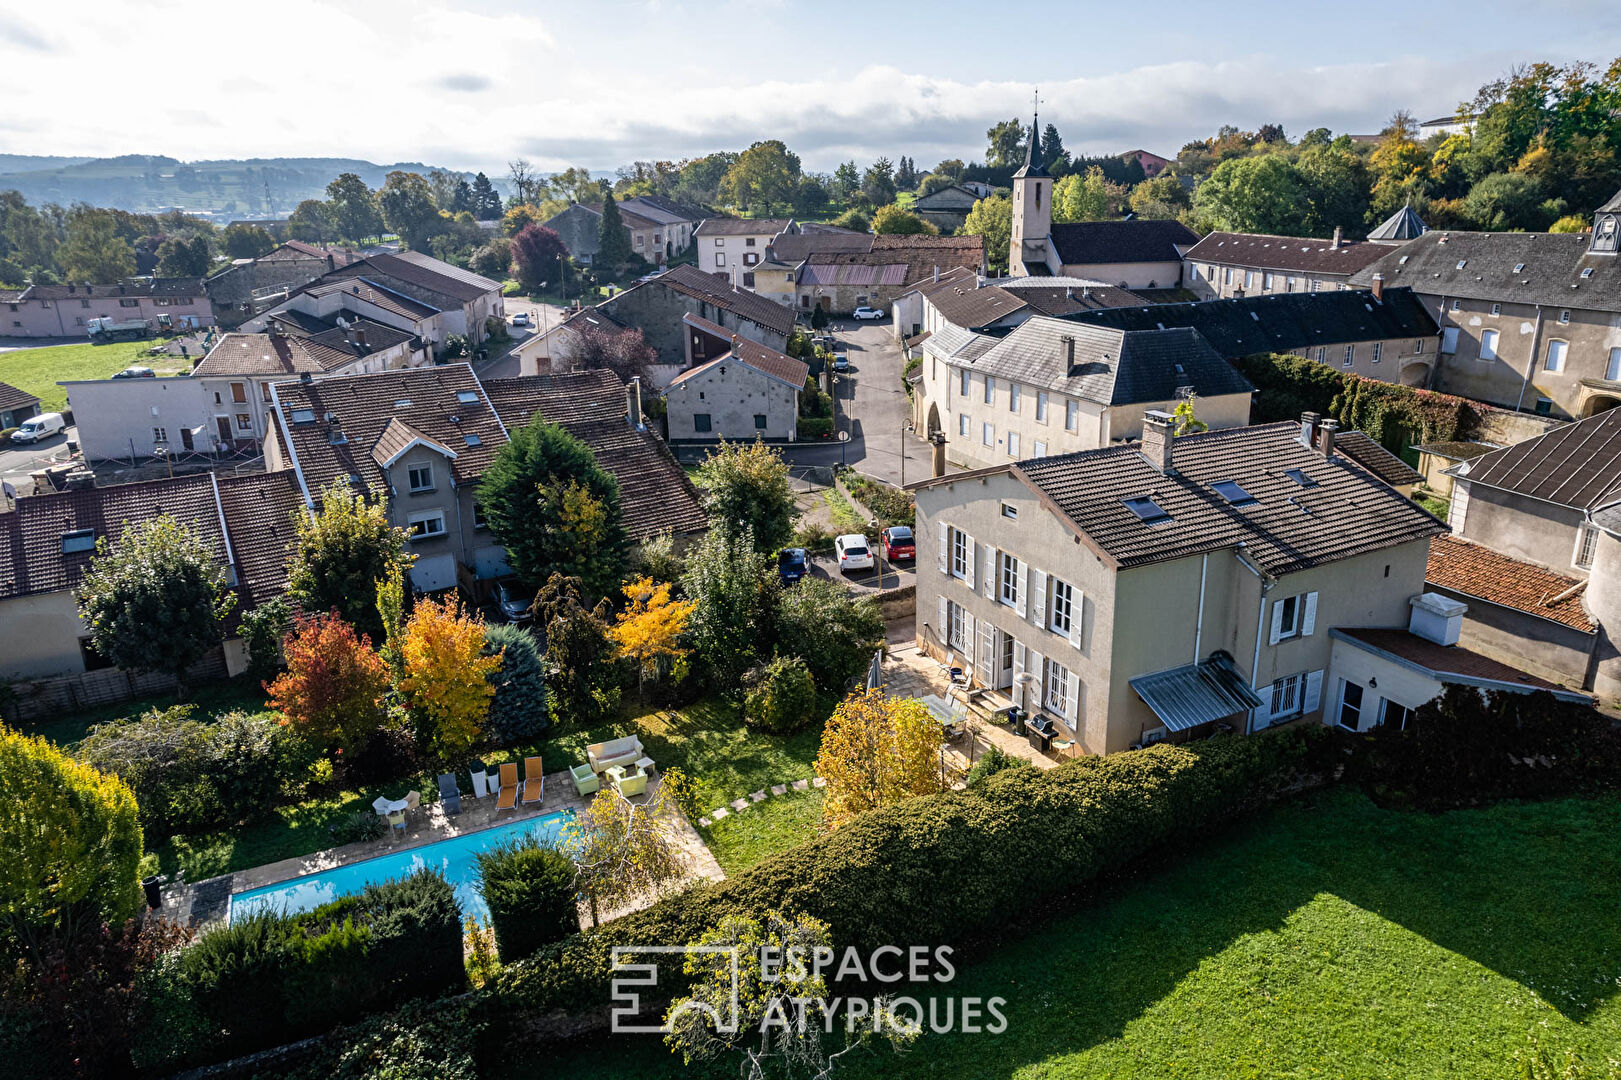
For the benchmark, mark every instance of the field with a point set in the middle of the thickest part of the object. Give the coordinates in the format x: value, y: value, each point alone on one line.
x: 38, y: 370
x: 1330, y: 938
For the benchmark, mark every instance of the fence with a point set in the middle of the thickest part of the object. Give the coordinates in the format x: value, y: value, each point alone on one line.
x: 44, y: 699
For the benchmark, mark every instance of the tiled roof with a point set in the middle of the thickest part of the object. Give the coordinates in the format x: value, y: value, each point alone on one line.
x: 666, y: 211
x: 1448, y: 660
x: 1513, y: 267
x: 655, y: 496
x: 1297, y: 254
x: 770, y: 362
x: 258, y: 515
x: 398, y: 437
x: 297, y: 250
x: 693, y: 282
x: 154, y: 287
x: 795, y: 248
x: 1287, y: 527
x: 1045, y: 298
x: 13, y: 398
x: 1279, y: 322
x: 628, y: 217
x: 962, y: 303
x: 11, y: 296
x: 413, y: 269
x: 1578, y: 464
x: 1484, y: 574
x: 377, y: 295
x: 723, y: 226
x: 1456, y: 451
x: 1363, y: 450
x: 895, y: 261
x: 1110, y: 367
x: 257, y: 354
x: 1121, y: 241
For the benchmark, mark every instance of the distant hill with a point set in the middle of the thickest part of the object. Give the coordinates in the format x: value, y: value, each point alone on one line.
x: 256, y: 187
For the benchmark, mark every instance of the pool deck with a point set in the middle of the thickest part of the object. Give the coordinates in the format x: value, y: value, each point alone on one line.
x: 197, y: 903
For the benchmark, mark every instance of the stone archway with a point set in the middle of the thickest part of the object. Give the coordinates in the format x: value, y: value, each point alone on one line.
x: 1598, y: 403
x: 1416, y: 375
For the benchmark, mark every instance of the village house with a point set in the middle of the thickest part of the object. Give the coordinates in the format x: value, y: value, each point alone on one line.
x: 776, y: 276
x: 739, y: 390
x: 249, y: 286
x: 658, y: 228
x: 51, y: 311
x: 1528, y: 321
x: 16, y: 406
x: 838, y: 282
x: 946, y: 209
x: 733, y: 247
x: 966, y: 300
x: 1164, y: 589
x: 351, y: 301
x: 1225, y: 264
x: 467, y: 301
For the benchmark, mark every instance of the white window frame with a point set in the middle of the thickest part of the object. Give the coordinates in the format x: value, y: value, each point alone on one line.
x: 423, y: 517
x: 1564, y: 317
x: 1060, y: 606
x: 1009, y: 573
x: 1549, y: 362
x: 1488, y: 344
x: 1350, y: 355
x: 967, y: 381
x: 1039, y: 449
x: 1013, y: 397
x: 1072, y: 415
x: 1266, y: 281
x: 1378, y: 348
x: 955, y: 628
x: 1360, y: 708
x: 1055, y: 688
x: 720, y: 258
x: 1612, y: 368
x: 1290, y: 691
x: 964, y: 425
x: 1497, y: 309
x: 1012, y: 444
x: 1041, y: 406
x: 411, y: 479
x: 990, y: 390
x: 962, y: 553
x: 987, y: 434
x: 1586, y: 540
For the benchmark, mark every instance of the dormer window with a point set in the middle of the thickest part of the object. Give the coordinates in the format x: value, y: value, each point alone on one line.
x: 1518, y: 267
x: 77, y: 540
x: 1147, y: 510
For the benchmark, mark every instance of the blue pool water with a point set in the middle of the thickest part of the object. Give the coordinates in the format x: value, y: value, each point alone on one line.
x: 453, y: 857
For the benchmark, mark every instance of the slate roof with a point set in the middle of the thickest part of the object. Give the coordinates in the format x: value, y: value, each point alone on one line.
x: 770, y: 362
x: 655, y: 496
x: 726, y: 226
x: 1121, y: 241
x: 1577, y: 464
x: 797, y: 247
x: 627, y: 217
x: 1456, y: 451
x: 693, y: 282
x: 1111, y: 367
x: 955, y: 197
x: 1046, y: 298
x: 1483, y: 574
x: 13, y: 398
x: 414, y: 269
x: 376, y: 294
x: 1279, y: 322
x: 1288, y: 527
x: 1289, y: 254
x: 298, y: 251
x: 192, y: 287
x: 661, y: 210
x: 1366, y: 452
x: 1449, y: 663
x: 1404, y: 224
x: 1550, y: 267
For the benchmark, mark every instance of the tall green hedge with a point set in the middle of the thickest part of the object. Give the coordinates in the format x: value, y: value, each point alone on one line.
x: 529, y: 889
x: 1289, y: 385
x: 267, y: 979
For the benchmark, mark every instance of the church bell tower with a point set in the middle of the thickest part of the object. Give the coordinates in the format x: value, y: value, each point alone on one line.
x: 1032, y: 207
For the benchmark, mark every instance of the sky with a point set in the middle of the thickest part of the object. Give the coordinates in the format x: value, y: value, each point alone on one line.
x: 475, y: 83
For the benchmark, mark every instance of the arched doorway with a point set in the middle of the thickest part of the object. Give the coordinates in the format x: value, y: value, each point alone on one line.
x: 1416, y: 375
x: 934, y: 419
x: 1599, y: 403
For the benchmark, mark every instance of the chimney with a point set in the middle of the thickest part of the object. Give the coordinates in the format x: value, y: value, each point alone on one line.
x: 937, y: 464
x: 937, y: 273
x: 633, y: 402
x: 1086, y: 292
x: 304, y: 377
x: 1436, y: 618
x: 331, y: 262
x: 1308, y: 428
x: 1339, y: 235
x: 1238, y: 292
x: 1067, y: 343
x: 1379, y: 287
x: 1156, y: 445
x: 1069, y: 292
x: 1325, y: 436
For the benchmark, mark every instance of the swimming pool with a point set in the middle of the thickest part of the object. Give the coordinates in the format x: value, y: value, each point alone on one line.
x: 454, y: 857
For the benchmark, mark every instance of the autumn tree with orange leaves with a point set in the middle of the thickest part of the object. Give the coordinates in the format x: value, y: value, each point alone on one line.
x: 332, y: 691
x: 446, y: 685
x: 877, y: 750
x: 649, y: 629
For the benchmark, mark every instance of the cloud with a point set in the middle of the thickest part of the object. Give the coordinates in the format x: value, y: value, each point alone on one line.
x: 466, y: 83
x: 22, y: 36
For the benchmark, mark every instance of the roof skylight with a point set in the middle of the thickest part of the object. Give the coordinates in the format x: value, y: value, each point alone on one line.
x: 1233, y: 492
x: 467, y: 397
x: 1147, y: 509
x: 303, y: 416
x: 1299, y: 476
x: 76, y: 540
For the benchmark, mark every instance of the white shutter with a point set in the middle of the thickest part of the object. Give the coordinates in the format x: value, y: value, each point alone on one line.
x: 1263, y: 711
x: 987, y: 653
x: 968, y: 643
x: 993, y: 572
x: 1458, y: 508
x: 1314, y: 690
x: 1018, y: 661
x: 1024, y: 590
x: 1308, y: 621
x: 1072, y: 699
x: 971, y: 560
x: 1277, y: 624
x: 944, y: 626
x: 1038, y: 613
x: 1077, y: 617
x: 945, y: 548
x: 1034, y: 665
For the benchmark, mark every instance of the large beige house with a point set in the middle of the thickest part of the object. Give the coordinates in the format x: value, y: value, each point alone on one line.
x: 1158, y: 590
x: 1227, y: 264
x: 733, y: 247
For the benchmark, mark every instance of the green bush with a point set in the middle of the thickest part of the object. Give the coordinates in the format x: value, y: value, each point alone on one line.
x: 781, y: 697
x: 266, y: 979
x: 991, y: 762
x: 529, y: 888
x: 262, y: 631
x: 815, y: 427
x: 1391, y: 414
x: 892, y: 505
x: 424, y: 1040
x: 6, y: 434
x: 358, y: 826
x: 518, y: 709
x: 833, y: 632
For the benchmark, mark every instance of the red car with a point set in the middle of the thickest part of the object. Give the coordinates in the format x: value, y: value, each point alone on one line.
x: 898, y: 543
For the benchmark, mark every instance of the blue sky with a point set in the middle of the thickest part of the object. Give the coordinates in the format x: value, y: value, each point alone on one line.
x: 473, y: 83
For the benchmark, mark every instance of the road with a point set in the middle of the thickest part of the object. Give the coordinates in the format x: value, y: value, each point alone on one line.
x: 16, y: 462
x: 540, y: 316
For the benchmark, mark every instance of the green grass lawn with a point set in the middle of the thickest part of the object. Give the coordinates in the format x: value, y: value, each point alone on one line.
x: 844, y: 515
x: 1329, y: 938
x: 1432, y: 502
x: 779, y: 823
x: 38, y: 370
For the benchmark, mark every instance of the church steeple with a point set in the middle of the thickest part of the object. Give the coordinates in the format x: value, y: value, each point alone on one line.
x: 1028, y: 249
x: 1035, y: 162
x: 1607, y: 228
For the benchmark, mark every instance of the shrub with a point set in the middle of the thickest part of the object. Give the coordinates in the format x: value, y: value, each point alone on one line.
x: 390, y: 754
x: 6, y: 434
x: 815, y: 427
x: 991, y: 762
x: 815, y: 539
x: 781, y: 698
x: 262, y: 631
x: 1389, y: 413
x: 529, y: 888
x: 833, y: 632
x: 428, y: 1040
x: 892, y: 505
x: 518, y: 709
x: 360, y: 825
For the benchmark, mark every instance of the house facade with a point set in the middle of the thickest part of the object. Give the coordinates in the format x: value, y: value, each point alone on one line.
x: 946, y: 209
x: 467, y: 301
x: 250, y: 286
x: 1225, y: 264
x: 580, y: 227
x: 746, y: 391
x: 733, y: 247
x: 52, y: 311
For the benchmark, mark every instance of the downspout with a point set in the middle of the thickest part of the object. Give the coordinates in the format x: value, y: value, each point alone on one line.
x: 1198, y: 626
x: 1260, y: 621
x: 1531, y: 362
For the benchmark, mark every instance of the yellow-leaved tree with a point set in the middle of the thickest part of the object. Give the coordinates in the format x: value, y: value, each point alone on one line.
x: 877, y: 750
x: 649, y: 630
x: 445, y: 682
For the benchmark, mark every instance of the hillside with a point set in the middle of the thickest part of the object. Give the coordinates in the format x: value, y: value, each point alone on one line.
x: 255, y: 187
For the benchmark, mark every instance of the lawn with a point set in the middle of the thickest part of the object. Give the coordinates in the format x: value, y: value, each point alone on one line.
x: 1329, y: 938
x: 38, y: 370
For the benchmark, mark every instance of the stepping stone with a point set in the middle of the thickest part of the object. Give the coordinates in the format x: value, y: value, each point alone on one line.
x: 779, y: 789
x: 801, y: 785
x: 703, y: 821
x: 757, y: 796
x: 740, y: 805
x: 820, y: 781
x: 718, y: 814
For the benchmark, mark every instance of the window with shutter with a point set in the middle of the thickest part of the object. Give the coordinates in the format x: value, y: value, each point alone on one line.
x: 1072, y: 701
x: 967, y: 641
x: 1314, y: 692
x: 943, y: 627
x: 1077, y: 618
x: 992, y: 558
x: 1023, y: 605
x: 1034, y: 664
x: 968, y: 563
x: 945, y: 547
x: 1308, y: 617
x: 1039, y: 595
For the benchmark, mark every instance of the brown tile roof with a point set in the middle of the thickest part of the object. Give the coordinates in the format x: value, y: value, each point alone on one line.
x: 298, y: 250
x: 960, y: 303
x: 1448, y: 660
x: 769, y: 361
x: 1575, y: 465
x: 1363, y: 450
x: 412, y: 269
x: 1287, y: 526
x: 397, y: 438
x: 1286, y: 253
x: 1483, y: 574
x: 258, y: 518
x: 257, y: 354
x: 192, y: 287
x: 797, y: 247
x: 719, y: 226
x: 13, y: 398
x: 628, y: 217
x: 691, y: 281
x: 1070, y: 299
x: 655, y: 496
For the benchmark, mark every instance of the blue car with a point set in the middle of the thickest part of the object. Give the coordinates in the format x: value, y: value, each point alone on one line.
x: 791, y: 565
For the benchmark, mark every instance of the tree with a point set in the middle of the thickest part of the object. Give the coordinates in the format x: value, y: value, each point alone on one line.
x: 262, y: 631
x: 529, y: 888
x: 1187, y: 420
x: 1506, y: 201
x: 613, y: 239
x: 332, y: 691
x: 846, y: 180
x: 524, y: 181
x: 486, y: 202
x: 340, y: 552
x: 355, y: 212
x: 71, y: 836
x: 992, y: 218
x: 650, y: 628
x: 409, y: 208
x: 622, y: 851
x: 906, y: 175
x: 446, y: 685
x: 244, y: 241
x: 811, y: 197
x: 746, y: 484
x: 835, y: 633
x: 1160, y: 198
x: 462, y: 201
x: 781, y: 697
x: 853, y: 220
x: 1007, y: 145
x: 555, y: 509
x: 1336, y: 182
x: 878, y: 183
x: 1571, y: 223
x: 518, y: 709
x: 626, y: 353
x: 1086, y: 198
x: 877, y: 750
x: 579, y: 651
x: 494, y: 259
x: 155, y: 600
x: 1254, y: 194
x: 94, y: 252
x: 312, y: 222
x: 951, y: 167
x: 1052, y: 146
x: 765, y: 175
x: 537, y: 252
x: 183, y: 257
x: 894, y: 221
x: 729, y: 583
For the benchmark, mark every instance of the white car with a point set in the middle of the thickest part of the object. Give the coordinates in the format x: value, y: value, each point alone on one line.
x: 521, y: 319
x: 854, y: 553
x: 38, y: 427
x: 867, y: 313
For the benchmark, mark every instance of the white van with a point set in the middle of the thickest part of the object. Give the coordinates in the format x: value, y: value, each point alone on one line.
x: 39, y: 427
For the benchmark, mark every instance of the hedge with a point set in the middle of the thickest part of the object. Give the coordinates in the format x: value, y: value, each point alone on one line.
x: 529, y: 889
x: 1289, y: 385
x: 945, y: 869
x: 269, y: 978
x: 815, y: 427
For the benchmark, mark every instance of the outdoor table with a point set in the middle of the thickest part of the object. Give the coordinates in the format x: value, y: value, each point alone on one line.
x: 644, y: 764
x: 615, y: 773
x: 386, y: 806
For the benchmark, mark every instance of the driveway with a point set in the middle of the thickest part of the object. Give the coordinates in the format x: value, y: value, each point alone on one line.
x: 863, y: 582
x: 12, y: 344
x: 16, y: 462
x: 541, y: 316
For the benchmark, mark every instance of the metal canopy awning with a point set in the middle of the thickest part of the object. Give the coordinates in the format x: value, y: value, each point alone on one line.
x: 1195, y: 694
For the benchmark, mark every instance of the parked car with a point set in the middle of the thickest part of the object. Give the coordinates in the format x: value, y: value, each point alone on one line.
x: 841, y: 362
x: 853, y: 553
x: 515, y: 601
x: 521, y: 319
x: 867, y: 313
x: 39, y: 427
x: 898, y: 545
x: 136, y: 373
x: 791, y: 565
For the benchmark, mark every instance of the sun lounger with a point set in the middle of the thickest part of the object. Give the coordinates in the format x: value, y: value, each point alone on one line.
x: 585, y: 779
x: 450, y: 796
x: 534, y: 782
x: 508, y: 797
